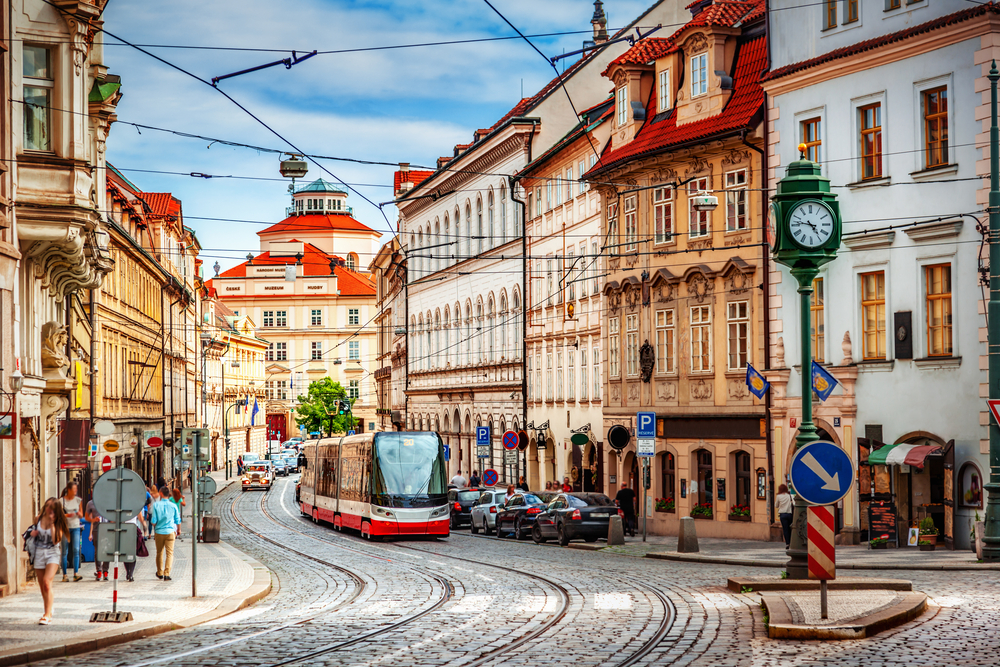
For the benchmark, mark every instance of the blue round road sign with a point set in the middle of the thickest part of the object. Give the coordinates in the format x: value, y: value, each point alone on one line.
x: 510, y: 440
x: 490, y: 477
x: 822, y: 473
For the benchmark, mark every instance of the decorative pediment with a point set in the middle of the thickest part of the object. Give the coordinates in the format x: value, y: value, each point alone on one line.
x: 698, y: 269
x: 663, y: 276
x: 695, y: 44
x: 611, y: 287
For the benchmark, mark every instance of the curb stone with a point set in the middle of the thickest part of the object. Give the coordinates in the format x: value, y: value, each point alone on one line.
x: 840, y: 566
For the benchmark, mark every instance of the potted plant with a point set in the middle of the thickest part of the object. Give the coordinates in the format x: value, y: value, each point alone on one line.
x: 665, y: 505
x: 702, y: 511
x: 739, y: 513
x: 927, y: 530
x: 878, y: 543
x: 925, y: 545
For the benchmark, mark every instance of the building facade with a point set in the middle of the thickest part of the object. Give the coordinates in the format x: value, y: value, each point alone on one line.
x: 684, y: 312
x: 389, y: 272
x: 312, y: 302
x: 903, y: 150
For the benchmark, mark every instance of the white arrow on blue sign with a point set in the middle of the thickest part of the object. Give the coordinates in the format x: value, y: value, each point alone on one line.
x: 822, y: 473
x: 483, y: 435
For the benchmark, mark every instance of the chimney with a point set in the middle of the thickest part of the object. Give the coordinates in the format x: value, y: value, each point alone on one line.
x: 600, y: 23
x: 405, y: 185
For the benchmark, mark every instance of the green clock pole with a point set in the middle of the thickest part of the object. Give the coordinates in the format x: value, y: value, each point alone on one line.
x: 991, y: 536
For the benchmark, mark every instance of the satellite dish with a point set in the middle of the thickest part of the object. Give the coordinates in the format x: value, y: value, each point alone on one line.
x: 619, y: 437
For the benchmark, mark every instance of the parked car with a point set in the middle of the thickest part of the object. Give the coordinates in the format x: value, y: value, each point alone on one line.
x: 461, y: 501
x: 280, y: 467
x: 484, y: 511
x: 519, y: 513
x: 574, y: 516
x: 292, y: 462
x: 258, y: 475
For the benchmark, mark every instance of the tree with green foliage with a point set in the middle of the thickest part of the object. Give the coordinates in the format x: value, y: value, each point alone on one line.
x: 315, y: 408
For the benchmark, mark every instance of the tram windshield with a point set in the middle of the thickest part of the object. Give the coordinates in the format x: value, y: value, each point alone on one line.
x: 409, y: 470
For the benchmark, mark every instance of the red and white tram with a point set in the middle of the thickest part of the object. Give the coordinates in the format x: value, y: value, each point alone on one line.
x: 382, y: 484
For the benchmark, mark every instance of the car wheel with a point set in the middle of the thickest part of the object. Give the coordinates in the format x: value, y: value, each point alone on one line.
x: 536, y: 535
x: 519, y: 531
x: 500, y: 533
x: 563, y: 537
x: 453, y: 524
x: 473, y: 528
x: 486, y: 527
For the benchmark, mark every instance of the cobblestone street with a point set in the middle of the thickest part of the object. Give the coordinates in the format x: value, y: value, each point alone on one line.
x: 339, y: 600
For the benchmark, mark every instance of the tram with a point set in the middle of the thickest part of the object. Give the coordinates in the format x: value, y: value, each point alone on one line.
x: 382, y: 484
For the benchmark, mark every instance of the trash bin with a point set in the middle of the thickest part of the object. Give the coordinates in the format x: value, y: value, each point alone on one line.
x: 210, y: 528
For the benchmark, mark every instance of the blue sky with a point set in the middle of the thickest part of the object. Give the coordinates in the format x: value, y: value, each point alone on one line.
x: 409, y: 105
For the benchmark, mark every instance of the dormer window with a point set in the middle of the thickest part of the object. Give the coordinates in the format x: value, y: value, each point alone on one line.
x: 622, y: 106
x: 663, y: 90
x: 699, y: 74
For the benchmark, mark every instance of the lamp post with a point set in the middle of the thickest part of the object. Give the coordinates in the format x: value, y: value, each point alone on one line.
x: 991, y: 533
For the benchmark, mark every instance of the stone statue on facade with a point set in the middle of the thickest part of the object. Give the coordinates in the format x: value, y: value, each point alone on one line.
x: 54, y: 339
x: 846, y: 348
x: 647, y: 359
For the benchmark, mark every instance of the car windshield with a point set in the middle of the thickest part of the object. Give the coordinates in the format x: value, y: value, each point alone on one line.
x: 410, y: 469
x: 249, y: 457
x: 598, y: 499
x: 575, y: 502
x: 531, y: 499
x: 290, y: 461
x: 468, y: 495
x: 256, y: 468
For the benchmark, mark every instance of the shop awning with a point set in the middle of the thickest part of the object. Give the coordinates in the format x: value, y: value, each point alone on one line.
x: 903, y: 454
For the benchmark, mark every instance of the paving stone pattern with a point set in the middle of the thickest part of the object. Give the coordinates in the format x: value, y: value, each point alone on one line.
x: 516, y: 603
x: 842, y: 607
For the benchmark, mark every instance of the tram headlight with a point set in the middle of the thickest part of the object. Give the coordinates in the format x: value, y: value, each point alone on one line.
x: 439, y: 511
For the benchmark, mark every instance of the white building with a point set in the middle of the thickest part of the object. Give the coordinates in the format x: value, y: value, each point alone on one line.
x: 897, y: 124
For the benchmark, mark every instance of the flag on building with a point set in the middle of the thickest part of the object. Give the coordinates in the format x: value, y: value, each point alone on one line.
x: 756, y: 383
x: 253, y: 415
x: 822, y: 382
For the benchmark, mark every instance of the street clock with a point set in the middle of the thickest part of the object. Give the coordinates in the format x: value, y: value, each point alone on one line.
x: 804, y: 225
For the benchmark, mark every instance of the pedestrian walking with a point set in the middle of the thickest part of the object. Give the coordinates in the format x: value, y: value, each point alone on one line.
x: 177, y: 498
x: 47, y: 536
x: 165, y: 517
x: 93, y: 517
x: 239, y: 466
x: 151, y: 497
x: 784, y: 504
x: 625, y: 499
x: 458, y: 480
x: 474, y: 480
x: 140, y: 547
x: 521, y: 484
x: 71, y: 506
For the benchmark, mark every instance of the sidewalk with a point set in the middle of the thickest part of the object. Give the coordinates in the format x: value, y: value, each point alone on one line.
x: 772, y: 554
x: 228, y: 580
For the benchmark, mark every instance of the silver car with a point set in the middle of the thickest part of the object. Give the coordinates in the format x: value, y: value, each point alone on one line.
x: 484, y: 512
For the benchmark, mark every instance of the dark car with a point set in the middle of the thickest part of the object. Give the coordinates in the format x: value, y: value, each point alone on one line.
x: 461, y: 501
x: 518, y: 515
x: 574, y: 516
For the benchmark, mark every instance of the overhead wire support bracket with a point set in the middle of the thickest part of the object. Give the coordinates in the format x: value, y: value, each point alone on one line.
x: 287, y: 62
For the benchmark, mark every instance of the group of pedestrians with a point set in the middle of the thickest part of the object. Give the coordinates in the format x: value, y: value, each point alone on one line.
x: 557, y: 486
x: 54, y: 540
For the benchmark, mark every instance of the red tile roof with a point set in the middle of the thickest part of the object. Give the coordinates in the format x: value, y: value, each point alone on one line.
x: 316, y: 222
x: 412, y: 176
x: 884, y: 40
x: 644, y: 51
x: 315, y: 262
x: 744, y: 104
x: 724, y: 13
x: 162, y: 203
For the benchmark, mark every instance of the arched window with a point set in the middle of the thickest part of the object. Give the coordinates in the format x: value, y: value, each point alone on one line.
x: 468, y: 333
x: 428, y: 349
x: 970, y: 486
x: 447, y: 239
x: 418, y: 262
x: 515, y: 352
x: 479, y: 225
x: 437, y: 242
x: 352, y: 262
x: 437, y: 338
x: 419, y: 336
x: 503, y: 315
x: 479, y: 331
x: 703, y: 459
x: 468, y: 231
x: 446, y: 350
x: 668, y: 481
x: 491, y: 329
x: 490, y: 233
x: 742, y: 460
x: 503, y: 213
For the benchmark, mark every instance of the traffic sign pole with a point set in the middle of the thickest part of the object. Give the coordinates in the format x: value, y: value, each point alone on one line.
x: 196, y: 441
x: 822, y: 552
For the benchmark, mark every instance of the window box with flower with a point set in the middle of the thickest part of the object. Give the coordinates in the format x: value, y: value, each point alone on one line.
x: 739, y: 513
x: 702, y: 511
x: 665, y: 505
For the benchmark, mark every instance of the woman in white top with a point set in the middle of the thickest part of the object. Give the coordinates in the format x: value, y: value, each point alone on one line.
x: 48, y: 534
x: 71, y: 505
x: 784, y: 502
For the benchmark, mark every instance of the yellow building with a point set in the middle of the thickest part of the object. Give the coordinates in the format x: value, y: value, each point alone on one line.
x: 684, y: 309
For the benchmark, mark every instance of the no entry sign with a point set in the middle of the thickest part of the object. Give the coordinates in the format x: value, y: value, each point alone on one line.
x: 490, y: 477
x: 106, y: 464
x: 510, y: 440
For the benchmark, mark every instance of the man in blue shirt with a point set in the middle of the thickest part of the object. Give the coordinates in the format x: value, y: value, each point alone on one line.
x: 165, y: 518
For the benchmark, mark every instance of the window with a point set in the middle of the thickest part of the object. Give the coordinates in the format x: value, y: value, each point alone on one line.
x: 538, y: 201
x: 631, y: 223
x: 538, y: 377
x: 268, y: 319
x: 531, y: 375
x: 812, y: 139
x: 613, y: 227
x: 699, y: 222
x: 353, y: 316
x: 503, y: 214
x: 548, y: 377
x: 316, y: 317
x: 664, y: 90
x: 352, y: 262
x: 354, y: 350
x: 668, y: 477
x: 479, y: 224
x: 550, y: 284
x: 632, y: 344
x: 739, y: 331
x: 663, y: 215
x: 354, y: 389
x: 870, y: 118
x: 613, y: 347
x: 316, y: 350
x: 276, y: 390
x: 699, y: 75
x: 850, y: 11
x: 583, y: 373
x: 269, y: 353
x: 559, y: 376
x: 570, y: 375
x: 548, y: 195
x: 938, y: 283
x: 736, y: 201
x: 891, y: 4
x: 594, y: 268
x: 597, y: 375
x: 970, y: 486
x: 280, y: 351
x: 622, y: 106
x: 490, y: 220
x: 569, y: 183
x: 743, y: 481
x: 873, y: 314
x: 39, y: 82
x: 817, y: 321
x: 582, y: 184
x: 665, y: 332
x: 568, y: 276
x: 936, y: 126
x: 701, y: 339
x: 704, y: 459
x: 582, y: 272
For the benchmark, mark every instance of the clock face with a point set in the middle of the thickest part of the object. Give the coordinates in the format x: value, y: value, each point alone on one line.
x: 772, y: 225
x: 811, y: 224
